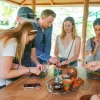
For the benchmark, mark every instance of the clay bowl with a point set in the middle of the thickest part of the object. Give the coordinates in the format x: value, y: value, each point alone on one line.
x: 57, y: 86
x: 72, y: 71
x: 67, y: 81
x: 65, y: 76
x: 86, y: 97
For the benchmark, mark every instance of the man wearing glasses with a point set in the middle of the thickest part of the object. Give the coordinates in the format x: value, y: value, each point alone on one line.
x: 44, y: 37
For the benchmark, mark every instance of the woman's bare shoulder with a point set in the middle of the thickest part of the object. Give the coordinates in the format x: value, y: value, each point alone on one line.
x: 78, y: 38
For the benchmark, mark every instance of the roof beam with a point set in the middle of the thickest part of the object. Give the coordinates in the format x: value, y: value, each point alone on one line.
x: 51, y: 2
x: 63, y: 3
x: 34, y: 5
x: 12, y: 2
x: 54, y: 4
x: 22, y: 3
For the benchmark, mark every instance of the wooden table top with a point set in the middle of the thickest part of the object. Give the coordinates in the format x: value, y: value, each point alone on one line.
x: 16, y: 90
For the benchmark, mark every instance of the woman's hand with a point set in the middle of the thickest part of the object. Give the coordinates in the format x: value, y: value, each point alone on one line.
x: 96, y: 42
x: 54, y: 60
x: 93, y: 66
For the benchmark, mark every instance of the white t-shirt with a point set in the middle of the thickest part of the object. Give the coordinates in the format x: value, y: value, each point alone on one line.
x: 8, y: 50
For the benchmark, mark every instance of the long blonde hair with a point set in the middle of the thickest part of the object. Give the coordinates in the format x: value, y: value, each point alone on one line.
x: 18, y: 34
x: 71, y: 19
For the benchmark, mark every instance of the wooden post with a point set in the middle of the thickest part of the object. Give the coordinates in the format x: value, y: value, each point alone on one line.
x: 34, y: 6
x: 84, y: 30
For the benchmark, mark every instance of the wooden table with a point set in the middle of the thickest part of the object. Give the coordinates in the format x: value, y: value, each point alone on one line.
x: 16, y: 91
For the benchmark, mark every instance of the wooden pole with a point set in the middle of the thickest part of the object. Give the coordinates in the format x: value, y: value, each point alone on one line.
x: 34, y: 6
x: 84, y: 30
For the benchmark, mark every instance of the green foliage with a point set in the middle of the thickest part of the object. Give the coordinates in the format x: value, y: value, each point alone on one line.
x: 6, y: 10
x: 6, y: 14
x: 90, y: 30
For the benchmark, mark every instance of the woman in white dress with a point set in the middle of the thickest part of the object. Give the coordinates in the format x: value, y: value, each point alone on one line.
x: 68, y: 43
x: 12, y: 43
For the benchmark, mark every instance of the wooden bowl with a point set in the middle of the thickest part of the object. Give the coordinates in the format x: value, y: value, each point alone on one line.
x: 86, y: 97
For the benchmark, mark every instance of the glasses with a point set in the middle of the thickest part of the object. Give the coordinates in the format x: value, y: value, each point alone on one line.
x: 44, y: 39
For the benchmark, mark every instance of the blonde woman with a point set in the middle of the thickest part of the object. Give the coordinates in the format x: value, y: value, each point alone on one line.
x: 12, y: 43
x: 68, y: 43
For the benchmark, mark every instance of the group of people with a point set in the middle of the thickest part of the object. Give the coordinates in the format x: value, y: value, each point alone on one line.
x: 29, y: 45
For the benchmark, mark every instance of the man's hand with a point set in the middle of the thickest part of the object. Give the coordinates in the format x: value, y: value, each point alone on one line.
x: 93, y: 66
x: 34, y: 70
x: 54, y: 60
x: 40, y: 66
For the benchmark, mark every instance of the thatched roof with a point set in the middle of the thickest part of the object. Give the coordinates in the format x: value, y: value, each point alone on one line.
x: 52, y: 2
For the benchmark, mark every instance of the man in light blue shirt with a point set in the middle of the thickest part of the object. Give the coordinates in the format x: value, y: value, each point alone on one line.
x: 44, y: 36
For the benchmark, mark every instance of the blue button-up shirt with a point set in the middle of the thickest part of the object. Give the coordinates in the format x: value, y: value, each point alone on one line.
x: 43, y: 50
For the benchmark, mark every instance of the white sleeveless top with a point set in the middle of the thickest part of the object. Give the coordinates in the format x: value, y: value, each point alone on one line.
x: 63, y: 52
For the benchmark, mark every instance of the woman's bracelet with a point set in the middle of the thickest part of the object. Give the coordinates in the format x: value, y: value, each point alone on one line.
x: 18, y: 66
